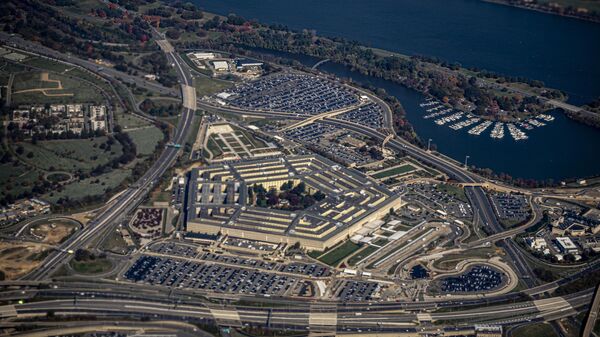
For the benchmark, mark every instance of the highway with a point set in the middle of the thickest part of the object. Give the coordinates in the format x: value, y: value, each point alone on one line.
x: 130, y: 198
x: 386, y: 319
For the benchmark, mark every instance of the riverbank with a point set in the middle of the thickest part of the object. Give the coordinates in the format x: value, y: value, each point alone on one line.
x: 486, y: 94
x: 580, y: 13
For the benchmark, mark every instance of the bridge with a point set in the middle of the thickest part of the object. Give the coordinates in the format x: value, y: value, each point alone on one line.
x: 319, y: 63
x: 593, y: 314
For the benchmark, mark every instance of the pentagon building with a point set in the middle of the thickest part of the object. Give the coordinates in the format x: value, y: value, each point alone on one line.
x: 218, y: 201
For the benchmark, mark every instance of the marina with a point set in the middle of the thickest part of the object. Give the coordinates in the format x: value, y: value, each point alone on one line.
x: 465, y: 123
x: 498, y: 130
x: 458, y: 120
x: 516, y: 133
x: 448, y: 119
x: 478, y: 129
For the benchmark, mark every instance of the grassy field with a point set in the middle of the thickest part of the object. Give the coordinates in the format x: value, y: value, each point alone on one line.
x: 146, y: 139
x: 89, y: 187
x: 534, y: 330
x: 129, y: 121
x: 206, y: 86
x: 17, y: 178
x: 115, y: 243
x: 454, y: 191
x: 30, y: 88
x: 91, y: 267
x: 451, y: 260
x: 339, y: 253
x: 69, y: 155
x: 361, y: 255
x: 213, y: 147
x: 394, y: 171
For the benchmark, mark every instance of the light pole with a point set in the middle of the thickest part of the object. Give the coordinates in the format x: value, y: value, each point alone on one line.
x: 466, y: 162
x: 429, y: 145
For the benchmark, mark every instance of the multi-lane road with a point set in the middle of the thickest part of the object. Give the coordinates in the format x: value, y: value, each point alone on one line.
x: 380, y: 318
x: 131, y: 197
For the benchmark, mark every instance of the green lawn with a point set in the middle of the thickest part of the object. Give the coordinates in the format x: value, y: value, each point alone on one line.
x: 75, y: 90
x: 69, y: 155
x: 206, y: 86
x: 18, y: 178
x: 394, y: 171
x: 534, y: 330
x: 91, y: 267
x: 339, y: 253
x: 146, y: 139
x: 93, y: 186
x: 450, y: 261
x: 455, y: 191
x: 115, y: 243
x: 361, y: 255
x: 129, y: 121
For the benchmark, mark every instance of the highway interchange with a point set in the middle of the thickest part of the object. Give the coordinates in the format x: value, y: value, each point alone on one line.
x: 133, y: 300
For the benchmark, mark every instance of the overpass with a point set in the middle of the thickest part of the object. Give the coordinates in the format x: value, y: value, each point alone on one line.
x: 328, y: 114
x: 593, y: 314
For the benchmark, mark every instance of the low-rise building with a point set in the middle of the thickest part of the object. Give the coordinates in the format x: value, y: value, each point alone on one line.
x: 220, y: 65
x: 566, y: 245
x: 537, y: 243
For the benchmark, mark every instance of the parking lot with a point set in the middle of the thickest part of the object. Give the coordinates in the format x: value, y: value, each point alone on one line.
x: 291, y: 92
x: 173, y: 248
x: 510, y: 207
x: 477, y: 279
x: 177, y: 273
x: 429, y: 195
x: 355, y: 291
x: 310, y: 270
x: 369, y: 115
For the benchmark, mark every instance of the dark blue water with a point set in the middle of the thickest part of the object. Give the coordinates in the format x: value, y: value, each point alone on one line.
x: 562, y: 52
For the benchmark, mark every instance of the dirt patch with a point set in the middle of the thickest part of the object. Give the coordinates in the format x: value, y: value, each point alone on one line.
x: 19, y: 259
x: 53, y: 232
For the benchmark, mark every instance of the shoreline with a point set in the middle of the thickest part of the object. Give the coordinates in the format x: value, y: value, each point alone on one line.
x: 543, y: 10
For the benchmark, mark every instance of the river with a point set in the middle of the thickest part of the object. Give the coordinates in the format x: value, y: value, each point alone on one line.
x: 563, y: 52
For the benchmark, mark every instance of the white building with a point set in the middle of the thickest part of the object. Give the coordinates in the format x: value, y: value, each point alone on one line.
x: 221, y: 65
x: 537, y: 243
x: 567, y: 245
x: 202, y: 56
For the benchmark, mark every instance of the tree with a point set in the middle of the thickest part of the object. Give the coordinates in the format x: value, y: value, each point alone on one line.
x: 319, y: 195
